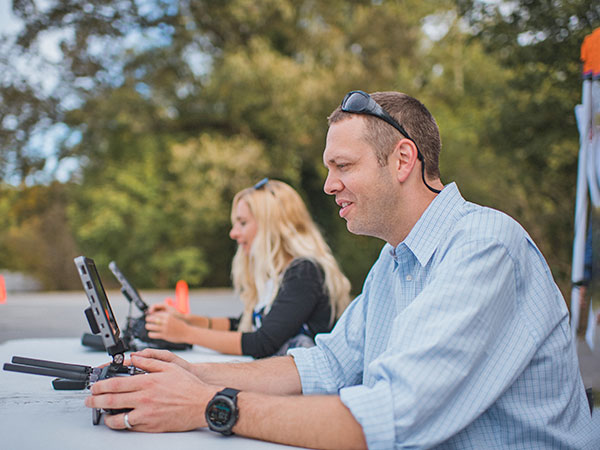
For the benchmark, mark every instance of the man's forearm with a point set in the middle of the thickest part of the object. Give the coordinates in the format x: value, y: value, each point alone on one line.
x: 305, y: 421
x: 272, y: 409
x: 276, y: 376
x: 173, y: 395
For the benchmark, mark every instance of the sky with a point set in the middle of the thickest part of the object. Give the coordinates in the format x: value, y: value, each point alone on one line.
x: 43, y: 143
x: 8, y: 22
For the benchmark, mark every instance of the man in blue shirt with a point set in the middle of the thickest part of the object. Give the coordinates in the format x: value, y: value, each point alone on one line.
x: 459, y: 339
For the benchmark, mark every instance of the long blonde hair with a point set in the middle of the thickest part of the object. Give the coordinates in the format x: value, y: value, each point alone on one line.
x: 285, y: 231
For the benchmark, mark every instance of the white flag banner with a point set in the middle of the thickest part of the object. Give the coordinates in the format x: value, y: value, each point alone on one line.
x: 583, y: 115
x: 588, y: 176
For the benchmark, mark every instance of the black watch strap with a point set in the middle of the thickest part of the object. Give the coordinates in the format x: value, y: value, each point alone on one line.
x: 231, y: 393
x: 221, y: 411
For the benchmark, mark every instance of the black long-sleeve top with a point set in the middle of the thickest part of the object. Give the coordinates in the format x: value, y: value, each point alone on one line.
x: 302, y: 299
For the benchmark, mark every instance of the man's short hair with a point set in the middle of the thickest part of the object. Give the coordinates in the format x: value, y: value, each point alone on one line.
x: 413, y: 116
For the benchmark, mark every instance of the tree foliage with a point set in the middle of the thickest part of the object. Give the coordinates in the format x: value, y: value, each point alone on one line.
x: 535, y: 133
x: 37, y: 237
x: 169, y: 108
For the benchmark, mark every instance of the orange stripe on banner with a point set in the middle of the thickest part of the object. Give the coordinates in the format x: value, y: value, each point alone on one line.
x: 590, y: 54
x: 2, y: 290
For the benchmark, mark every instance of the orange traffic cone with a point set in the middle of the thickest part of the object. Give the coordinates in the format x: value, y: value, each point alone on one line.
x: 2, y: 290
x: 182, y: 297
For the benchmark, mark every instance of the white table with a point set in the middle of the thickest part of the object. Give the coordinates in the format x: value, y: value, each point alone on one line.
x: 35, y: 416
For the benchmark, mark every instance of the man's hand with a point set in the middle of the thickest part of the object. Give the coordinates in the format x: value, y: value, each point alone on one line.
x: 167, y: 398
x: 171, y: 398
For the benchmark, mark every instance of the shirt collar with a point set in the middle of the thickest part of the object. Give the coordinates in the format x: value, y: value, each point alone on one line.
x: 434, y: 224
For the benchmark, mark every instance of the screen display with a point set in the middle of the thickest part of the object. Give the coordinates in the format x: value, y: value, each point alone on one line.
x: 129, y: 291
x: 102, y: 298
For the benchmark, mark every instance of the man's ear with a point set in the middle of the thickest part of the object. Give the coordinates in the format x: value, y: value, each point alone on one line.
x: 404, y: 158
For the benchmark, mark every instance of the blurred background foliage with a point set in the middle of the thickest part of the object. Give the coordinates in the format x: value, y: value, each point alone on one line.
x: 128, y: 141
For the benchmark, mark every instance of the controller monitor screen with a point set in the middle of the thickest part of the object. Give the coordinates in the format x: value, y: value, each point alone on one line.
x: 105, y: 318
x: 129, y: 291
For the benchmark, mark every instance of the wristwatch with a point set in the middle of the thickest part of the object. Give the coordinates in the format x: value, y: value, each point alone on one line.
x: 222, y: 411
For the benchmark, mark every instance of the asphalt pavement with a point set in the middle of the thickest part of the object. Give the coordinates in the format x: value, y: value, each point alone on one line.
x: 60, y: 314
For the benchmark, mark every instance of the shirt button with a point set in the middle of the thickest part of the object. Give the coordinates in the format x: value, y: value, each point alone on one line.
x: 408, y: 277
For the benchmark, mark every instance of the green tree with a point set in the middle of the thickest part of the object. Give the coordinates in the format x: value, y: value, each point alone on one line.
x: 37, y: 237
x: 171, y: 107
x: 259, y: 75
x: 534, y: 134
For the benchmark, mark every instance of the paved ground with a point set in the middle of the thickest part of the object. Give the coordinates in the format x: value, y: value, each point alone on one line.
x: 60, y: 314
x: 590, y: 367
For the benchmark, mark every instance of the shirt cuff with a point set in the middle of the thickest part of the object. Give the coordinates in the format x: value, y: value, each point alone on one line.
x: 307, y: 361
x: 373, y: 410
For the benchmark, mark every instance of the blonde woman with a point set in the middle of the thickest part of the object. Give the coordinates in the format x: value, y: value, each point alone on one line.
x: 284, y: 272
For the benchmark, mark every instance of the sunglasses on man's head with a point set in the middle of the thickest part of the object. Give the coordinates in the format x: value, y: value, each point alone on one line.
x: 359, y: 102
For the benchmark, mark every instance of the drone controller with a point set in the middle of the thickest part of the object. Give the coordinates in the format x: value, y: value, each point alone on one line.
x: 103, y: 323
x: 135, y: 336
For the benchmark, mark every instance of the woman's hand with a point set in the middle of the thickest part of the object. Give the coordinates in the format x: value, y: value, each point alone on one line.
x: 163, y: 325
x: 162, y: 307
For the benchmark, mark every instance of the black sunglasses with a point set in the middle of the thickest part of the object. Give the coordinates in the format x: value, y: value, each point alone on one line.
x: 359, y: 102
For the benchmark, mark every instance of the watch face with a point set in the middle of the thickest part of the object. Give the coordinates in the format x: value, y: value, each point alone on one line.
x: 220, y: 414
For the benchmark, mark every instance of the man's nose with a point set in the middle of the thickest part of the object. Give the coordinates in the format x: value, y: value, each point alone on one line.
x: 332, y: 184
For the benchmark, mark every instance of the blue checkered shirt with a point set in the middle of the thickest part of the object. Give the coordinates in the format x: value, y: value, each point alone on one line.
x: 460, y: 339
